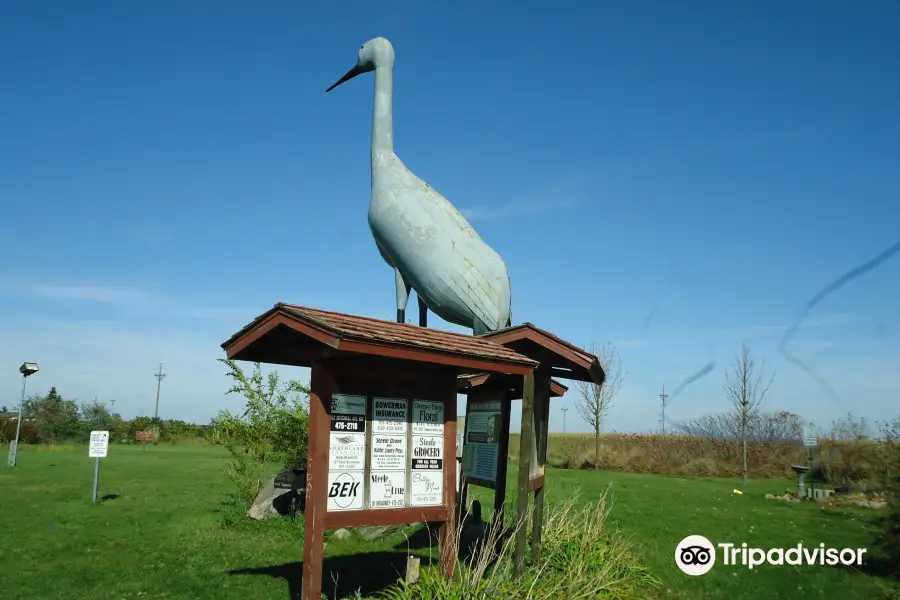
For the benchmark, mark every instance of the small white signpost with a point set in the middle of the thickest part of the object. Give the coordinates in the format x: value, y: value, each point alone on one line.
x: 98, y: 448
x: 810, y: 440
x: 810, y: 436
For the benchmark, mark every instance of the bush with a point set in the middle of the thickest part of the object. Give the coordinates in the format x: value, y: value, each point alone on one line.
x: 580, y: 559
x: 887, y: 544
x: 28, y: 433
x: 857, y: 463
x: 273, y: 429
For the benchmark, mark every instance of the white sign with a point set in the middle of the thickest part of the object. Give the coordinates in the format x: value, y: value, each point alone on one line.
x: 348, y: 405
x: 387, y: 489
x: 427, y: 477
x: 99, y: 444
x: 388, y: 452
x: 348, y: 414
x: 389, y: 415
x: 428, y: 452
x: 428, y: 417
x: 345, y: 491
x: 347, y: 452
x: 427, y: 488
x: 483, y: 440
x: 810, y: 436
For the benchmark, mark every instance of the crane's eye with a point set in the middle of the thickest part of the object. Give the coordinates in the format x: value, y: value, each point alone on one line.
x: 363, y: 46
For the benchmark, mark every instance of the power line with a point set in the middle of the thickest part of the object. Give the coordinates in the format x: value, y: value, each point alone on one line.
x: 159, y: 377
x: 663, y: 396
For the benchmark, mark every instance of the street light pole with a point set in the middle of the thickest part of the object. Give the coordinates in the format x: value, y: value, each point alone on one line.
x: 26, y: 369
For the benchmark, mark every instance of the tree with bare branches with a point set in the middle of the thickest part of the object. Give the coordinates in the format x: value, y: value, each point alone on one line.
x: 594, y: 401
x: 746, y: 389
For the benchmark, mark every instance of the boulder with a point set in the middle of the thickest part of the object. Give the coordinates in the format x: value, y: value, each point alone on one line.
x: 262, y: 506
x: 374, y: 533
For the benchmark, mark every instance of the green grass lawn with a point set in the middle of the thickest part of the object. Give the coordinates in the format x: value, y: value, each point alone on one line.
x: 171, y: 531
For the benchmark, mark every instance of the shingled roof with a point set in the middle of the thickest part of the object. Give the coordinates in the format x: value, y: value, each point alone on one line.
x: 365, y: 335
x: 565, y: 360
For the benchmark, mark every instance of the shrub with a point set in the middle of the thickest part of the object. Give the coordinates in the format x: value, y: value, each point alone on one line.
x: 273, y: 429
x: 580, y: 559
x: 887, y: 544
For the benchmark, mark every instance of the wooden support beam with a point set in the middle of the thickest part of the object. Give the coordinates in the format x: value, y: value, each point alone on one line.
x: 542, y: 414
x: 503, y: 462
x: 536, y: 483
x: 524, y: 464
x: 447, y: 533
x: 317, y: 479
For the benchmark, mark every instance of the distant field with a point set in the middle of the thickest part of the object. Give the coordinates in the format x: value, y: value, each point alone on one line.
x: 170, y: 532
x: 863, y: 461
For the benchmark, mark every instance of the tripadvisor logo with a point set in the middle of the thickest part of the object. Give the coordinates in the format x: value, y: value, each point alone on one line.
x: 696, y: 555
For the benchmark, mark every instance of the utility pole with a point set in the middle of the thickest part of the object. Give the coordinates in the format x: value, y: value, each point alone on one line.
x: 565, y: 410
x: 159, y: 377
x: 663, y: 397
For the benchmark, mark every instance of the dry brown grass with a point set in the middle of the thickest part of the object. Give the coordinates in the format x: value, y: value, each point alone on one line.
x: 862, y: 462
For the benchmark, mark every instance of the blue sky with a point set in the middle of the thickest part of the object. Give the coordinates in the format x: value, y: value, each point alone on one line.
x: 673, y: 177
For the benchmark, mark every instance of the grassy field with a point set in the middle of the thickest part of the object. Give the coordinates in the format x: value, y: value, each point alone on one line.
x: 167, y: 529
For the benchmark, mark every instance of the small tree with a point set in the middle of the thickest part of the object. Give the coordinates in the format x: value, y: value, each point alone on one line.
x: 274, y: 427
x: 594, y: 400
x: 887, y: 543
x: 56, y: 418
x: 745, y: 389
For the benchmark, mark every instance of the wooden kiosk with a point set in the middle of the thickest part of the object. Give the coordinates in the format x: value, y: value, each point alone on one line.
x: 556, y: 358
x: 382, y: 434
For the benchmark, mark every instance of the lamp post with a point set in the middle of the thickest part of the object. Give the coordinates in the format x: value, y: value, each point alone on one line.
x: 27, y: 368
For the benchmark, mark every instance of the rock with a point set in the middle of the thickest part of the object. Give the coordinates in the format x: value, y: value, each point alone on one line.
x: 341, y: 534
x: 373, y: 533
x: 412, y: 569
x: 262, y: 506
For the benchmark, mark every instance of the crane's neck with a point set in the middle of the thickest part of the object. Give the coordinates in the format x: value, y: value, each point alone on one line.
x: 383, y: 121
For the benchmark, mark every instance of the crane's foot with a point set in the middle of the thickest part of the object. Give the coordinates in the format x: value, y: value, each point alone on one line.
x: 401, y: 315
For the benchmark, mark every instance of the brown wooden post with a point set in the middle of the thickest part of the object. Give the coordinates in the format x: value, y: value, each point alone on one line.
x: 503, y: 451
x: 447, y: 533
x: 524, y: 467
x: 316, y: 479
x: 463, y: 506
x: 542, y: 418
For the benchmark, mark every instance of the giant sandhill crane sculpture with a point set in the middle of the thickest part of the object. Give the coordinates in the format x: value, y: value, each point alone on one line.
x: 428, y: 243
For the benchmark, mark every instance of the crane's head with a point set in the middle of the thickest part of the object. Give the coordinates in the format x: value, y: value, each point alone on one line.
x: 377, y: 52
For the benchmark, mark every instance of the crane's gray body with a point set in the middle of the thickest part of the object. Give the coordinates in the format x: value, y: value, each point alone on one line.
x: 430, y: 245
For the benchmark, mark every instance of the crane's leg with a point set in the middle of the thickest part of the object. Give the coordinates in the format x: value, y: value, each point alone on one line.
x: 478, y: 327
x: 423, y: 312
x: 402, y: 296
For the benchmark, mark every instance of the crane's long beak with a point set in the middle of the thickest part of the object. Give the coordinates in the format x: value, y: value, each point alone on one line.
x: 357, y: 70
